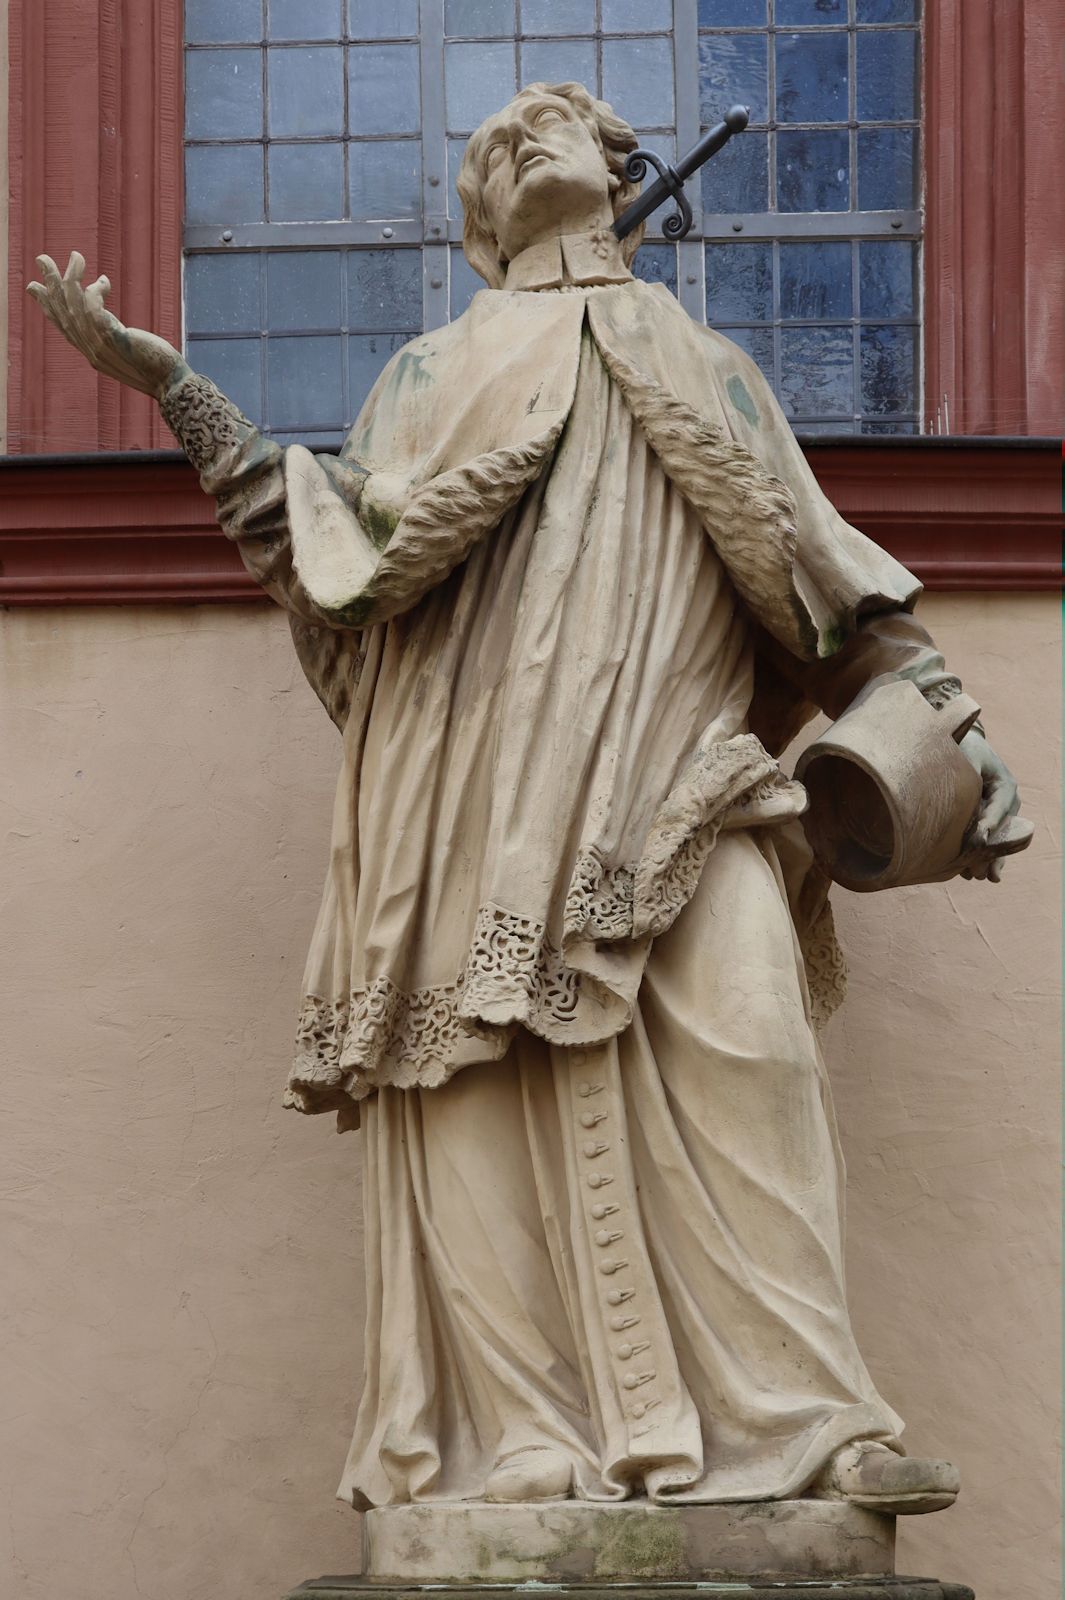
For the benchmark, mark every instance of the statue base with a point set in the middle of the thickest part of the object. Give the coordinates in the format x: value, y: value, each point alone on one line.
x: 784, y: 1549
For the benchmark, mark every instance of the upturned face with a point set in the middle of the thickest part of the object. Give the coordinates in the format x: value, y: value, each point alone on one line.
x: 542, y: 172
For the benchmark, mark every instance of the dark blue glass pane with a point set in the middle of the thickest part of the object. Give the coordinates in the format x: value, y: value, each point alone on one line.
x: 739, y: 282
x: 887, y: 169
x: 223, y: 21
x: 811, y: 13
x: 384, y: 289
x: 887, y: 76
x: 638, y: 80
x: 383, y: 89
x: 887, y: 274
x: 224, y: 184
x: 758, y: 343
x: 464, y: 283
x: 812, y: 77
x: 305, y: 379
x: 305, y: 86
x: 637, y: 16
x: 385, y: 178
x: 887, y: 10
x: 889, y: 370
x: 383, y: 19
x: 817, y: 371
x: 737, y: 179
x: 305, y: 19
x: 303, y: 291
x: 889, y: 427
x: 368, y: 355
x: 558, y: 16
x: 815, y: 281
x: 657, y: 263
x: 222, y: 294
x: 732, y: 13
x: 306, y: 182
x: 223, y: 94
x: 813, y: 170
x: 480, y: 79
x: 733, y: 71
x: 456, y: 149
x: 664, y: 145
x: 236, y: 366
x: 824, y: 430
x: 559, y: 61
x: 490, y: 17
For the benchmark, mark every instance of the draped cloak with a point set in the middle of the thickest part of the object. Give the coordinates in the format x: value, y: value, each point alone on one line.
x: 564, y: 659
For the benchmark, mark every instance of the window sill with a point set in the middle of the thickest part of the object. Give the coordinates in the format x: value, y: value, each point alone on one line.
x: 134, y: 528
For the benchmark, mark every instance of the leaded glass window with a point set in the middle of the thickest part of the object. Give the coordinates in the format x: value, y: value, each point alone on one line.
x: 323, y: 138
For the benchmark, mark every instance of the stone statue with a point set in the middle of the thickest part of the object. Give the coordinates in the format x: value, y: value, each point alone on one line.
x: 568, y: 591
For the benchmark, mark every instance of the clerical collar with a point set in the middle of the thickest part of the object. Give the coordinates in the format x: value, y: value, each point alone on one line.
x: 577, y: 258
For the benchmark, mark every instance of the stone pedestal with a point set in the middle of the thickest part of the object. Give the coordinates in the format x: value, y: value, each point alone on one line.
x: 787, y: 1550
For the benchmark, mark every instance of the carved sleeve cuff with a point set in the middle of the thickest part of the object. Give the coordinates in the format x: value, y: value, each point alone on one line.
x: 208, y: 427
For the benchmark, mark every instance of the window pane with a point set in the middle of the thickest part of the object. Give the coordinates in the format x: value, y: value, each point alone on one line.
x: 733, y: 71
x: 383, y: 88
x: 737, y: 178
x: 813, y: 171
x: 657, y: 263
x: 739, y: 282
x: 224, y: 184
x: 368, y: 355
x: 810, y: 13
x: 637, y: 16
x: 223, y: 21
x: 384, y: 289
x: 758, y: 343
x: 465, y: 283
x: 480, y: 79
x: 815, y: 280
x: 889, y: 427
x: 812, y: 77
x: 558, y: 16
x: 732, y: 14
x: 385, y: 179
x: 303, y: 290
x: 222, y: 294
x: 887, y: 275
x: 236, y: 366
x: 304, y: 19
x: 818, y: 371
x: 638, y: 80
x: 889, y: 370
x: 305, y: 382
x: 887, y: 76
x: 306, y: 91
x: 887, y: 169
x: 223, y: 94
x: 456, y: 149
x: 306, y: 182
x: 887, y: 10
x: 559, y: 62
x: 494, y: 18
x: 383, y: 19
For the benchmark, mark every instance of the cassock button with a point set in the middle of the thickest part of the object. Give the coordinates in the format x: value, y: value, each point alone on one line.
x: 610, y: 1267
x: 592, y: 1150
x: 589, y: 1119
x: 617, y: 1297
x: 605, y: 1236
x: 619, y: 1324
x: 596, y: 1180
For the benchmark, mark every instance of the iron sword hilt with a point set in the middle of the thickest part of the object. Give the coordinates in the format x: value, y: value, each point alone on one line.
x: 670, y: 181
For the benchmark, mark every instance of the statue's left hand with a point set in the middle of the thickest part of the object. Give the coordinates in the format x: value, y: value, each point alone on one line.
x: 141, y: 360
x: 999, y: 802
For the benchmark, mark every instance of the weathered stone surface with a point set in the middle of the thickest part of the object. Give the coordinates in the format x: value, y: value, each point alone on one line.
x: 848, y: 1589
x: 577, y: 1542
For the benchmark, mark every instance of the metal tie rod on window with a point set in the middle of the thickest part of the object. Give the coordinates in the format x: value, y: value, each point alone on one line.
x: 670, y: 181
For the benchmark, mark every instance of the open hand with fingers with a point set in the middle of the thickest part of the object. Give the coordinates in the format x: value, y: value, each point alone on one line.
x: 138, y: 359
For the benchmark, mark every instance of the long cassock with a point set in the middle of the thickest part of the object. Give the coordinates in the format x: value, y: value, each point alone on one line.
x: 568, y: 590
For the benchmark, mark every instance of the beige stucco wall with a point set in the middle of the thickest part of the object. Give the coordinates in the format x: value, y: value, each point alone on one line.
x: 182, y: 1301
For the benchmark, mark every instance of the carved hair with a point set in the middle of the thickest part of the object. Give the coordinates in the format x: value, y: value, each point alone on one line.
x: 613, y: 136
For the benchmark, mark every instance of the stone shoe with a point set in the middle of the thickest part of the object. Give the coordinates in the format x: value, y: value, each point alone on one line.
x: 537, y: 1473
x: 872, y: 1476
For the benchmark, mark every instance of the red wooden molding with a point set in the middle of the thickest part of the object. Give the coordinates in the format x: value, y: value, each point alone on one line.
x: 961, y: 514
x: 994, y: 260
x: 96, y: 165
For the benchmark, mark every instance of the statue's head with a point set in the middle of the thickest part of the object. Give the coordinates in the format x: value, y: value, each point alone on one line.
x: 551, y: 162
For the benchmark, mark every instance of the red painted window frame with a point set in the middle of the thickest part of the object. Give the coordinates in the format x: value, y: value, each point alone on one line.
x: 96, y: 164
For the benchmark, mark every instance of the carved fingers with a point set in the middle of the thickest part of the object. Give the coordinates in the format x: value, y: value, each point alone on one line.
x: 133, y: 357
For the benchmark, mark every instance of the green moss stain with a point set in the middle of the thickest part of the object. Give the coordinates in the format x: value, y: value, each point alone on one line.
x: 651, y: 1545
x: 740, y: 396
x: 379, y: 523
